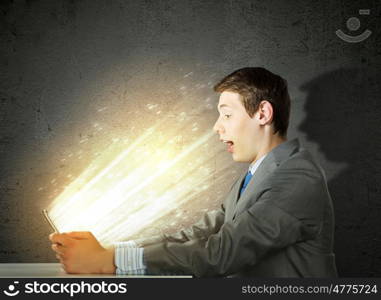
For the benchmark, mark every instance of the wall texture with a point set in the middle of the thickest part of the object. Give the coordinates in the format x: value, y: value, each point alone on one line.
x: 67, y: 65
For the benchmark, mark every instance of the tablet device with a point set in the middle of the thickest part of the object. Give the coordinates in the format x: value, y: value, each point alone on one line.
x: 47, y: 218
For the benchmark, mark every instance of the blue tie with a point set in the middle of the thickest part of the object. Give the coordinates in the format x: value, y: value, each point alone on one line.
x: 246, y: 182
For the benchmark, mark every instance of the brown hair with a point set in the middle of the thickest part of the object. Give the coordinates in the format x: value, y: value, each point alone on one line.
x: 256, y: 85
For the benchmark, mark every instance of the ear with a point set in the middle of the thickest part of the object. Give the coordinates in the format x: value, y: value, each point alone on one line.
x: 265, y: 113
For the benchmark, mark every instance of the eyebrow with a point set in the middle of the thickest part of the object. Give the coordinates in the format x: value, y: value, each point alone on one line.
x: 222, y: 105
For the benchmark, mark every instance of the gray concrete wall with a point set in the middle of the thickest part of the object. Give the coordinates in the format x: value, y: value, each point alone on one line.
x: 61, y: 62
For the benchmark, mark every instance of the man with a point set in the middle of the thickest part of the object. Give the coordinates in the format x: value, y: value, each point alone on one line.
x: 276, y: 221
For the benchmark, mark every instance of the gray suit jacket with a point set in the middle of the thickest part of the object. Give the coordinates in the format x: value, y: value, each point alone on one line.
x: 281, y: 226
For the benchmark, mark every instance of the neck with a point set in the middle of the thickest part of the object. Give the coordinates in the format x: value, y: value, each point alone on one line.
x: 269, y: 142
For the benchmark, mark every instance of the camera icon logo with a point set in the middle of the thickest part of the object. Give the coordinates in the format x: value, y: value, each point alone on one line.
x: 354, y: 24
x: 12, y: 290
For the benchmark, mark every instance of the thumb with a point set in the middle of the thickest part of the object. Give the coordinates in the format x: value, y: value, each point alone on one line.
x: 80, y: 235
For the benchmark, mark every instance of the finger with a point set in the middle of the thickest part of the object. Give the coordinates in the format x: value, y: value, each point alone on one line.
x: 58, y: 249
x: 63, y: 267
x: 60, y: 258
x: 51, y: 237
x: 80, y: 234
x: 59, y: 238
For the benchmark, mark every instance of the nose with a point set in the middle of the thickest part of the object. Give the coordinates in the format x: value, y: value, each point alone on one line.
x: 218, y: 127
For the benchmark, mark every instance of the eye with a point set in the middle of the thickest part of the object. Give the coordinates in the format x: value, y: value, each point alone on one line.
x: 227, y: 116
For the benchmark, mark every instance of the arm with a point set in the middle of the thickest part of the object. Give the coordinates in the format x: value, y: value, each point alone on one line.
x: 262, y: 228
x: 129, y: 255
x: 80, y: 252
x: 209, y: 224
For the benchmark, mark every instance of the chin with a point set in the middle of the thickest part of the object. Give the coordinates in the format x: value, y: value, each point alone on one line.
x: 236, y: 158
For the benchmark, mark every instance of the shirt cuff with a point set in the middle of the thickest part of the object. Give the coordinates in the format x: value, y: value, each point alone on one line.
x: 129, y: 259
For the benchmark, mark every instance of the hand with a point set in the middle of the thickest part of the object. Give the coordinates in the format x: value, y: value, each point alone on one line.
x: 80, y: 252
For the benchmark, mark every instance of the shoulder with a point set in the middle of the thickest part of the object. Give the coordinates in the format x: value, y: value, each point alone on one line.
x: 300, y: 165
x: 298, y: 182
x: 292, y: 159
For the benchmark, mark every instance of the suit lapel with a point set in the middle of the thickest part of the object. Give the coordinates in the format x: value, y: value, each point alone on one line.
x: 232, y: 198
x: 265, y: 168
x: 268, y: 166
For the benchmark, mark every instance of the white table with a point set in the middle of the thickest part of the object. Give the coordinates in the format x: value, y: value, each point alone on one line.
x: 49, y: 270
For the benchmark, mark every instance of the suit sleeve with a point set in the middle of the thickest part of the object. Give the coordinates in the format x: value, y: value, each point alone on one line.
x: 242, y: 242
x: 210, y: 224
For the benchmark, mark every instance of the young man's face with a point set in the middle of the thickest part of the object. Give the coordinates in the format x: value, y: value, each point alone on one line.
x: 237, y: 129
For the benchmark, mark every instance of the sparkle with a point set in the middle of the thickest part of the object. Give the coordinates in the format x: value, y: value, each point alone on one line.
x: 115, y: 207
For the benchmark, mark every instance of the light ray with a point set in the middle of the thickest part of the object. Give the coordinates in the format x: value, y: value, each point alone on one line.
x: 128, y: 194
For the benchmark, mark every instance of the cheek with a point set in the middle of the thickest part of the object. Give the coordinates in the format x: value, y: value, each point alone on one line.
x: 246, y: 131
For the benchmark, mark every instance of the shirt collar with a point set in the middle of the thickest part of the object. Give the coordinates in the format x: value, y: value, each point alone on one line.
x: 254, y: 166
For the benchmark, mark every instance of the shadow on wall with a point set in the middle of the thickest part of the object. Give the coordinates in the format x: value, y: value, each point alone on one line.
x: 343, y: 116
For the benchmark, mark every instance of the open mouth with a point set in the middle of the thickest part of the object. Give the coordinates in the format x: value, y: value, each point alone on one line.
x: 230, y: 145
